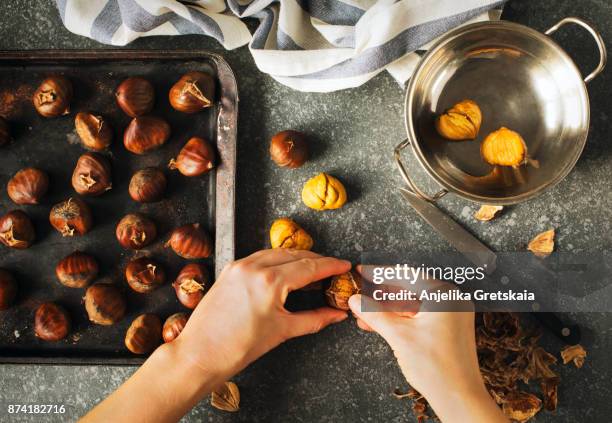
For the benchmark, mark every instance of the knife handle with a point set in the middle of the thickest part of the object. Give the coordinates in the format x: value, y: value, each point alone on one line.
x: 569, y: 334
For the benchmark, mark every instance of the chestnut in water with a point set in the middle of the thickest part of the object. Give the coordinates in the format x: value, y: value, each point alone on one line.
x: 195, y: 91
x: 51, y: 322
x: 191, y: 284
x: 5, y: 131
x: 8, y: 289
x: 173, y: 326
x: 92, y: 175
x: 71, y: 217
x: 104, y: 303
x: 95, y: 133
x: 146, y: 133
x: 135, y: 231
x: 144, y: 274
x: 289, y: 149
x: 28, y: 186
x: 144, y: 334
x: 16, y: 230
x: 135, y: 96
x: 52, y: 98
x: 148, y: 185
x: 190, y: 242
x: 77, y: 270
x: 195, y: 158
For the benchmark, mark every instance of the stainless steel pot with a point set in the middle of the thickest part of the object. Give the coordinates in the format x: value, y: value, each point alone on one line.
x: 522, y: 80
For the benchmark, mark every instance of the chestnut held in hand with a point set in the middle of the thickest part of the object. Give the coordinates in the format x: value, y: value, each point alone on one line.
x: 52, y: 98
x: 144, y: 274
x: 195, y: 158
x: 146, y: 133
x: 289, y: 149
x: 191, y: 284
x: 104, y: 303
x: 148, y: 185
x: 190, y: 242
x: 144, y: 334
x: 92, y: 175
x: 5, y: 131
x: 51, y: 322
x: 173, y: 326
x: 195, y: 91
x: 95, y: 133
x: 135, y: 231
x: 8, y: 289
x: 135, y: 96
x: 28, y: 186
x: 16, y: 230
x: 71, y: 217
x: 77, y: 270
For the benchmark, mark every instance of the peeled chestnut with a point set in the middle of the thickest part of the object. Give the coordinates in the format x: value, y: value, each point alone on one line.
x: 135, y: 231
x: 289, y: 149
x: 5, y: 131
x: 146, y: 133
x: 144, y: 274
x: 8, y: 289
x: 173, y: 326
x: 95, y: 133
x: 71, y: 217
x: 144, y: 334
x: 135, y: 96
x: 52, y: 98
x: 148, y: 185
x: 92, y: 175
x: 195, y: 91
x: 51, y: 322
x: 16, y: 230
x: 77, y: 270
x: 191, y: 284
x: 195, y: 158
x: 28, y: 186
x: 105, y: 304
x: 190, y: 242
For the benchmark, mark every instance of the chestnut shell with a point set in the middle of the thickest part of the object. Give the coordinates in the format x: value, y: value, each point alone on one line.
x: 51, y: 322
x: 52, y: 97
x: 28, y: 186
x: 5, y: 131
x: 92, y: 175
x: 144, y: 274
x: 71, y: 217
x: 16, y: 230
x: 190, y: 242
x: 146, y: 133
x: 148, y: 185
x: 144, y: 334
x: 135, y: 96
x: 289, y: 149
x: 191, y: 284
x: 195, y: 91
x: 8, y: 289
x: 196, y: 158
x: 104, y: 303
x: 135, y: 231
x: 173, y: 326
x: 77, y: 270
x: 94, y: 131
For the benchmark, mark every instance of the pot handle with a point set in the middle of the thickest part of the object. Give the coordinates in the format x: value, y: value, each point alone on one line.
x: 603, y: 56
x: 408, y: 180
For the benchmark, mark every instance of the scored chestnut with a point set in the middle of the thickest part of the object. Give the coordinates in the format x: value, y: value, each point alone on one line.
x: 135, y: 96
x: 51, y: 322
x: 77, y: 270
x: 195, y: 158
x: 71, y: 217
x: 289, y: 149
x: 95, y: 133
x: 28, y: 186
x: 92, y: 175
x: 8, y: 289
x: 16, y: 230
x: 52, y: 98
x: 191, y: 284
x: 195, y: 91
x: 104, y: 303
x: 148, y: 185
x: 190, y: 242
x: 5, y: 131
x: 144, y: 334
x: 144, y: 274
x: 135, y: 231
x: 173, y: 326
x: 146, y: 133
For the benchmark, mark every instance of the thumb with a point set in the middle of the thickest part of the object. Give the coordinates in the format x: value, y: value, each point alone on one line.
x: 373, y: 314
x: 312, y: 321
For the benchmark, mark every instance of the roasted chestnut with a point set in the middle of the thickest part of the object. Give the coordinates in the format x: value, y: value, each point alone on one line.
x: 16, y: 230
x: 148, y: 185
x: 146, y: 133
x: 135, y: 96
x: 28, y: 186
x: 289, y: 149
x: 92, y: 175
x: 144, y: 274
x: 5, y: 131
x: 51, y: 322
x: 104, y: 303
x: 52, y: 98
x: 8, y: 289
x: 95, y: 133
x: 77, y: 270
x: 190, y: 242
x: 71, y: 217
x: 135, y: 231
x: 195, y: 158
x: 195, y: 91
x: 191, y: 284
x: 173, y: 326
x: 144, y: 334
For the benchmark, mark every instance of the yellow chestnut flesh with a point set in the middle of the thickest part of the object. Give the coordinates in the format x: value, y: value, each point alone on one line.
x: 324, y: 192
x: 285, y: 233
x: 460, y: 122
x: 504, y: 147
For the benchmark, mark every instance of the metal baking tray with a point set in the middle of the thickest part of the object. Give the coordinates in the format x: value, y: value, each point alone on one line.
x: 52, y: 145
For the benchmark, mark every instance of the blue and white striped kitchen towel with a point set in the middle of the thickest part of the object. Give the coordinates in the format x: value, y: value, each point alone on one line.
x: 309, y: 45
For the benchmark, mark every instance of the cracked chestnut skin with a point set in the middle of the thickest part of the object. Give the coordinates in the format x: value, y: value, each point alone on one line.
x: 144, y: 274
x: 94, y: 131
x: 105, y: 304
x: 135, y: 231
x: 71, y: 217
x: 52, y: 97
x: 195, y: 91
x: 92, y: 175
x: 285, y: 233
x: 324, y: 192
x: 191, y: 284
x: 144, y: 334
x: 16, y: 230
x: 342, y: 287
